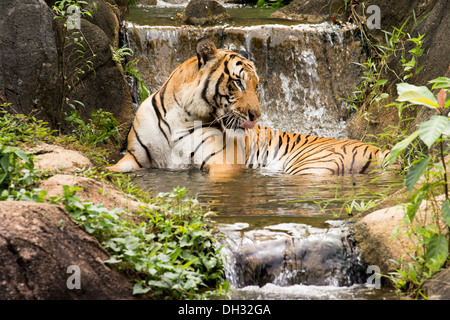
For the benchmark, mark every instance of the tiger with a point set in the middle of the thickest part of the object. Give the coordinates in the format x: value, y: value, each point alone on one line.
x: 204, y: 117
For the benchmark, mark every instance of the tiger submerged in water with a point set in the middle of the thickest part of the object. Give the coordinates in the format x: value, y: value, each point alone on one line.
x: 204, y: 116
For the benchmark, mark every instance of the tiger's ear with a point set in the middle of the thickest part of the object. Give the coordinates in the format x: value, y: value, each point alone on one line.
x: 243, y: 53
x: 206, y: 50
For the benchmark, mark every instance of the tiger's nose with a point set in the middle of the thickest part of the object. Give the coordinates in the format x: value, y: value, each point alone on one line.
x: 253, y: 115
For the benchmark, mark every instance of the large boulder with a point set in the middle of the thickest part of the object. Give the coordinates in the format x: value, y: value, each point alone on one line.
x: 29, y: 59
x: 42, y: 68
x: 203, y: 12
x: 45, y: 255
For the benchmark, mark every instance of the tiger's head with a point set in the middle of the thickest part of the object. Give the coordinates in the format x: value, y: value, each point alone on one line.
x: 223, y: 87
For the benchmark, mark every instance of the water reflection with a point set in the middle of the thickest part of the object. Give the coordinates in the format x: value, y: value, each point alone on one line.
x: 259, y: 193
x: 276, y: 248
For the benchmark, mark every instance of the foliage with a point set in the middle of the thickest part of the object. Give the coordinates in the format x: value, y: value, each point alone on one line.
x: 100, y: 128
x: 272, y: 4
x: 427, y: 178
x: 371, y: 89
x: 19, y: 129
x: 169, y: 247
x: 130, y: 69
x: 76, y: 61
x: 171, y: 250
x: 119, y: 55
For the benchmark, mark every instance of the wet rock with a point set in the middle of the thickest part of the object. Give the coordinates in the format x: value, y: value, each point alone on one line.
x: 203, y: 12
x: 289, y: 254
x: 438, y: 288
x: 38, y: 245
x: 147, y: 2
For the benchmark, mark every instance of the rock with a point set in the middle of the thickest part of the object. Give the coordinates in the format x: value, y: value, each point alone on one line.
x: 93, y: 190
x: 374, y: 234
x: 57, y: 158
x: 311, y: 11
x: 203, y: 12
x: 438, y: 288
x: 147, y: 2
x: 35, y: 57
x: 38, y: 244
x: 102, y: 83
x: 29, y: 61
x: 380, y: 235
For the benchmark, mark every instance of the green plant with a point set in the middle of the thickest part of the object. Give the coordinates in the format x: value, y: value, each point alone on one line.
x: 171, y: 250
x: 17, y: 176
x: 427, y: 179
x: 119, y: 55
x: 18, y: 129
x: 273, y: 3
x: 130, y: 69
x: 101, y: 127
x: 75, y: 60
x: 376, y: 68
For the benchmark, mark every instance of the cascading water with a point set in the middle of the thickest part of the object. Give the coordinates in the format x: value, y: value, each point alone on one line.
x: 303, y: 70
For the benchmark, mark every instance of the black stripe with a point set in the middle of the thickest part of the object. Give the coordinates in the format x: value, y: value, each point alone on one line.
x: 367, y: 164
x: 353, y: 161
x: 209, y: 157
x: 142, y: 145
x: 135, y: 159
x: 158, y: 114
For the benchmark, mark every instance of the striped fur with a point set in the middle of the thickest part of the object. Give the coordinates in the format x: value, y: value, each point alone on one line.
x: 203, y: 116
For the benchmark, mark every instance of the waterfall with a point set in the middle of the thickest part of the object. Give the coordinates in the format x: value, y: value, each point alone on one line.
x: 291, y: 254
x: 304, y: 70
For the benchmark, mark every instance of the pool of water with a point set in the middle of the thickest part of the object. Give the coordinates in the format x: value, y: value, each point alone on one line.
x: 240, y: 15
x: 285, y: 235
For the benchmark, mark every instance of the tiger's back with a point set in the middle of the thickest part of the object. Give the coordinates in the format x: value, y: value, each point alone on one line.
x: 218, y: 88
x: 301, y: 154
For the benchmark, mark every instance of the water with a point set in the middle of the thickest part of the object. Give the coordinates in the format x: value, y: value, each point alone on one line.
x: 304, y: 69
x: 162, y: 15
x: 276, y: 248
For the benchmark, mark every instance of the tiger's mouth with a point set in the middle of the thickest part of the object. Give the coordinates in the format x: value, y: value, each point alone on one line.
x: 247, y: 125
x: 236, y: 122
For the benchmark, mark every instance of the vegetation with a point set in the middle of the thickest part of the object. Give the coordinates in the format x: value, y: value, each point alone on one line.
x: 168, y: 245
x: 76, y: 53
x: 422, y: 153
x: 427, y: 179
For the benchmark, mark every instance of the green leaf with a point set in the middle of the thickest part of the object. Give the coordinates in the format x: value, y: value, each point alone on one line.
x: 187, y: 264
x: 432, y: 129
x: 416, y: 172
x: 399, y: 147
x: 419, y: 95
x: 446, y: 212
x: 437, y: 251
x: 415, y: 201
x: 138, y: 289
